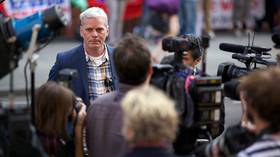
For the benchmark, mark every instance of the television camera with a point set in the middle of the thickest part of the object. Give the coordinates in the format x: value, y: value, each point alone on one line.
x: 65, y: 78
x: 236, y: 137
x: 251, y: 56
x: 199, y: 99
x: 29, y: 34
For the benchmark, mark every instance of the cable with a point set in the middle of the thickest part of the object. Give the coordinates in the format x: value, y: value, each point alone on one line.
x: 26, y: 82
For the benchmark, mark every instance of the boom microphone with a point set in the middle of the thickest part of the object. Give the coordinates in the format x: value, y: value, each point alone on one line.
x: 242, y: 49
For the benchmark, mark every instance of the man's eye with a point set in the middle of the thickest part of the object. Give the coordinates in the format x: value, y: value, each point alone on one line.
x: 89, y: 29
x: 99, y: 30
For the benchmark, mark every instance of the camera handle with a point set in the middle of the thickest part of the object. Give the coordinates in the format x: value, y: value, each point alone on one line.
x: 32, y: 59
x: 203, y: 62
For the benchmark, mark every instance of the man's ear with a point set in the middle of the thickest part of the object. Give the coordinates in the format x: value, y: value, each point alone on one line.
x: 128, y: 134
x: 149, y: 75
x: 81, y: 33
x: 197, y: 61
x: 150, y: 71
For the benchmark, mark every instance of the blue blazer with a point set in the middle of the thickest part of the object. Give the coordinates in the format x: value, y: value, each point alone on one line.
x: 76, y: 59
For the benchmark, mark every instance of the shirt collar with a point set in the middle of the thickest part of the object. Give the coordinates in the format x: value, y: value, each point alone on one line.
x: 89, y: 58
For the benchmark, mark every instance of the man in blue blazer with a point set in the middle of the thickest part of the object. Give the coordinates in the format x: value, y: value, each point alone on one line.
x: 92, y: 59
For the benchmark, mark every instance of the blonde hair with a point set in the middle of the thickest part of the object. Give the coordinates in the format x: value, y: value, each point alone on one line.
x: 94, y: 12
x: 150, y: 115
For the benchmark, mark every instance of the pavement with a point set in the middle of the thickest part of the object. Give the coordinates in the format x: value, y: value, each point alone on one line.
x: 47, y: 58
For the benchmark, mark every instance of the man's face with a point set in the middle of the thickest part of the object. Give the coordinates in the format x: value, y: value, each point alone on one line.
x: 189, y: 60
x: 94, y: 32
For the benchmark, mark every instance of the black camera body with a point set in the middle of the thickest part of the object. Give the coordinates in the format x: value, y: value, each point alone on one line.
x: 207, y: 95
x: 176, y: 44
x: 235, y: 139
x: 250, y: 56
x: 65, y: 78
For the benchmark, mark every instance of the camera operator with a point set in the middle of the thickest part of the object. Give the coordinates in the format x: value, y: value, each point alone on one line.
x: 259, y: 93
x: 192, y: 57
x: 57, y: 120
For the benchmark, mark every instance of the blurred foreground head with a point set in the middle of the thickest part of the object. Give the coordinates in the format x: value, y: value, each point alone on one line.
x: 132, y: 60
x: 54, y: 104
x: 260, y: 91
x: 149, y: 116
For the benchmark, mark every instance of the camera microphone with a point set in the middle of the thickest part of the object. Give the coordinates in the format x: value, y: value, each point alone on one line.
x: 242, y: 49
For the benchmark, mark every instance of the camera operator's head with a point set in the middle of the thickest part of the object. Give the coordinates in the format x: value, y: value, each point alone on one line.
x: 193, y: 56
x: 54, y: 104
x: 150, y: 117
x: 259, y: 92
x: 132, y: 60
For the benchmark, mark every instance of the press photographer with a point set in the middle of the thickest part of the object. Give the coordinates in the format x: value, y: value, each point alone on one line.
x: 259, y: 94
x: 58, y: 121
x: 199, y: 99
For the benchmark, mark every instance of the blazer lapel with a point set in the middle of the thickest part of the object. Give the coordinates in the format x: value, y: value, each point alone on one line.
x: 82, y: 69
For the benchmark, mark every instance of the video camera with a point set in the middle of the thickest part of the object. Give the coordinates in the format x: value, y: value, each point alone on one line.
x: 65, y: 78
x: 15, y: 35
x: 236, y: 137
x: 199, y: 99
x: 251, y: 56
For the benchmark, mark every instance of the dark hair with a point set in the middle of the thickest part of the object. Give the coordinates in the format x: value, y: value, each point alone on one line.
x: 132, y: 60
x: 53, y: 103
x: 196, y: 48
x: 261, y: 92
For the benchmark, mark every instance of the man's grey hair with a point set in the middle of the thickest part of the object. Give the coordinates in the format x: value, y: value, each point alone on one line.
x: 94, y: 12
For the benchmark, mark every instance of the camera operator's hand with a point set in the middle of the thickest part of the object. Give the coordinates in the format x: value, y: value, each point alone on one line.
x: 81, y: 115
x: 80, y: 118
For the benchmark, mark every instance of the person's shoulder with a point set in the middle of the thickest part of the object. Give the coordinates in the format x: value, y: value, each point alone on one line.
x: 263, y: 146
x: 105, y: 103
x: 110, y: 48
x: 108, y: 97
x: 72, y: 51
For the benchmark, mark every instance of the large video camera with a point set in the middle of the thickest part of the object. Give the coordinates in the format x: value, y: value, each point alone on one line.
x: 199, y: 99
x: 15, y: 35
x: 251, y: 56
x: 236, y: 137
x: 233, y: 140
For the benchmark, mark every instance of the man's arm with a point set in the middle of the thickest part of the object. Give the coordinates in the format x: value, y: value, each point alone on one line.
x: 55, y: 69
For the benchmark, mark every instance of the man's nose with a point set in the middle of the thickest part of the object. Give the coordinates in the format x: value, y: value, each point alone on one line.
x: 94, y: 33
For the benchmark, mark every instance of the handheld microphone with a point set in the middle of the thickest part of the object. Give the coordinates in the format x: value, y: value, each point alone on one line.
x: 241, y: 49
